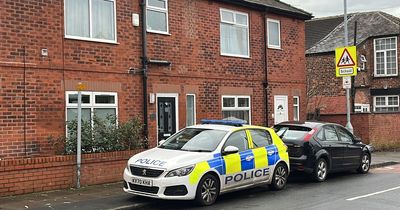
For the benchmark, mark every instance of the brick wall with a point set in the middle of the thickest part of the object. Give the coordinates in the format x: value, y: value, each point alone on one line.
x: 20, y: 176
x: 381, y: 130
x: 32, y: 87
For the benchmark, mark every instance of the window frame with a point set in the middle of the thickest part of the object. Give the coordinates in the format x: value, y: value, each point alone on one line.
x: 235, y: 24
x: 297, y: 107
x: 92, y: 105
x: 362, y: 107
x: 236, y: 106
x: 158, y: 9
x: 384, y: 55
x: 269, y: 140
x: 194, y: 107
x: 272, y: 46
x: 224, y: 145
x: 115, y: 41
x: 386, y: 103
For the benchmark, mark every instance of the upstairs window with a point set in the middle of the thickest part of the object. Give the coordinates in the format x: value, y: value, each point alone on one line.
x: 234, y: 29
x: 274, y: 33
x: 90, y: 20
x: 157, y: 16
x: 385, y: 57
x: 386, y: 103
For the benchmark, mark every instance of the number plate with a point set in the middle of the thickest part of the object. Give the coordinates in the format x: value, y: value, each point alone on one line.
x: 144, y: 182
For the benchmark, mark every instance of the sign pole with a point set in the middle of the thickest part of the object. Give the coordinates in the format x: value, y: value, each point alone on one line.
x: 348, y: 125
x: 80, y: 88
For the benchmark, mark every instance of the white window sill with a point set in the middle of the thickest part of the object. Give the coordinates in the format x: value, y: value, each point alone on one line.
x: 158, y: 32
x: 237, y: 56
x: 386, y: 75
x: 91, y: 40
x: 274, y: 47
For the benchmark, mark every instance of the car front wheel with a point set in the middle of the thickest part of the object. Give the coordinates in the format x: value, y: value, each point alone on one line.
x: 321, y: 170
x: 365, y: 164
x: 280, y: 177
x: 207, y: 190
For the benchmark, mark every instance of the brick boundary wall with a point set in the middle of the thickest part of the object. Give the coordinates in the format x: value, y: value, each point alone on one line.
x: 37, y: 174
x: 382, y: 130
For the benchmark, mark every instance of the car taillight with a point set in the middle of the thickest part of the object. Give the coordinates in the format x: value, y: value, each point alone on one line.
x: 310, y: 134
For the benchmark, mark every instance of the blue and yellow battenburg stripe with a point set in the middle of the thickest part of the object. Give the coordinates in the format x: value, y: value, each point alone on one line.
x: 236, y: 163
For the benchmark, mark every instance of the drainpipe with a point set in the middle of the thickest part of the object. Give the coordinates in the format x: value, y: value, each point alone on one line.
x: 265, y: 82
x: 144, y: 69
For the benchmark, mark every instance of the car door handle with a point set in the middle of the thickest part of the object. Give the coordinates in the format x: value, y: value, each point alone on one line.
x: 249, y: 158
x: 271, y: 152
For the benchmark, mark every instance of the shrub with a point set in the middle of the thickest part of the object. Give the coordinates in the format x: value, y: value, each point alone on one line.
x: 104, y: 136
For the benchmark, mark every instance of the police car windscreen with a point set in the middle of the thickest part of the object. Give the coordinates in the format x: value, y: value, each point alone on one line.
x: 292, y: 132
x: 195, y: 139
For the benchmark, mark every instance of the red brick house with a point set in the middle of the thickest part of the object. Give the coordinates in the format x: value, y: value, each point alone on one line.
x: 376, y: 88
x: 206, y: 60
x: 202, y: 59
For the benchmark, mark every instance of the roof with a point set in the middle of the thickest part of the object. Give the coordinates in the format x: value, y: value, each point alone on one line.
x: 281, y: 6
x: 325, y: 34
x: 275, y: 6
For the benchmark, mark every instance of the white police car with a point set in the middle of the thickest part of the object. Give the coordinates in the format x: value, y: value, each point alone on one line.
x: 202, y: 161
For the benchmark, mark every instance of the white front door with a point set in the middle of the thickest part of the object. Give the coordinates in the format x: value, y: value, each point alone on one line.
x: 281, y: 108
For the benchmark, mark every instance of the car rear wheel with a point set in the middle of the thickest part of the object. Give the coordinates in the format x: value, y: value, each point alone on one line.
x: 365, y: 164
x: 321, y: 170
x: 207, y: 190
x: 279, y: 178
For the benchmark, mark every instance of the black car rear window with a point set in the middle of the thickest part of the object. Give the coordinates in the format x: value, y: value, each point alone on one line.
x: 291, y: 132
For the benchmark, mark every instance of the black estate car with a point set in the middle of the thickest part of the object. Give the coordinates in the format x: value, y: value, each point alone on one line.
x: 320, y: 148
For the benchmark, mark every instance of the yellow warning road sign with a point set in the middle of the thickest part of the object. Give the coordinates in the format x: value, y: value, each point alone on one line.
x: 346, y: 61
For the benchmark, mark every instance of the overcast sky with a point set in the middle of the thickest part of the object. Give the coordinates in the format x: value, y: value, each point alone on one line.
x: 323, y: 8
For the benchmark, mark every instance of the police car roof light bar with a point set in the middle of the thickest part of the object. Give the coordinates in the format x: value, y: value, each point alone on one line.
x: 224, y: 122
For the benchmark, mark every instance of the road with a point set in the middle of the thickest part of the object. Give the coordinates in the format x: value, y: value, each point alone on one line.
x: 379, y: 189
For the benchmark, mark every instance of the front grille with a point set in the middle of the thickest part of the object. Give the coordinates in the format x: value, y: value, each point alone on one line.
x: 145, y: 172
x: 146, y: 189
x: 295, y: 151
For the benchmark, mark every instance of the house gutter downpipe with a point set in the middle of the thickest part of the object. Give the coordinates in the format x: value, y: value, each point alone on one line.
x: 346, y: 41
x: 144, y: 69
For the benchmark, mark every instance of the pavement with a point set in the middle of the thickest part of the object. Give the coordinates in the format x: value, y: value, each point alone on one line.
x: 76, y: 198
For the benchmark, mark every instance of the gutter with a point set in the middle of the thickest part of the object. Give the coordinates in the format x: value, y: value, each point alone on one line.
x: 265, y: 82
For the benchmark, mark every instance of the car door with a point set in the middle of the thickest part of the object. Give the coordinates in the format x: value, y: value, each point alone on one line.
x: 352, y: 151
x: 238, y: 166
x: 263, y: 150
x: 333, y: 146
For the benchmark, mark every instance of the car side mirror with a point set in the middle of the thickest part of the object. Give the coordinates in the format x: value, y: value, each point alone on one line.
x: 230, y: 150
x: 357, y: 139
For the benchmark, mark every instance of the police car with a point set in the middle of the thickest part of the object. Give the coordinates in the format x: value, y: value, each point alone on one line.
x: 200, y: 162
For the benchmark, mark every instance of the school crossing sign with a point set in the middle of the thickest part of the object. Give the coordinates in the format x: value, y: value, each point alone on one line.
x: 346, y: 61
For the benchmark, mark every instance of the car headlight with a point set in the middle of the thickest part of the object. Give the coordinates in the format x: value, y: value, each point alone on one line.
x: 180, y: 171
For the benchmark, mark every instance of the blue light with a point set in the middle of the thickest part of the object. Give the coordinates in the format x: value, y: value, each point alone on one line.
x: 224, y: 122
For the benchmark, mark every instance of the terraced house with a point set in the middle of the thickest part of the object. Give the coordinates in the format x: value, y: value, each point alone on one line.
x: 170, y: 62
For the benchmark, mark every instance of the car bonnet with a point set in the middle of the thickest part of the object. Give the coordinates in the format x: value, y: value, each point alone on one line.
x: 168, y: 159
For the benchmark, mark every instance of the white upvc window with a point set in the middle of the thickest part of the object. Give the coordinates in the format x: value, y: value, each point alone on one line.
x: 190, y: 109
x: 157, y: 16
x: 296, y: 108
x: 274, y: 33
x: 91, y: 20
x: 234, y: 33
x: 101, y: 104
x: 361, y: 108
x: 386, y: 103
x: 385, y: 53
x: 236, y: 107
